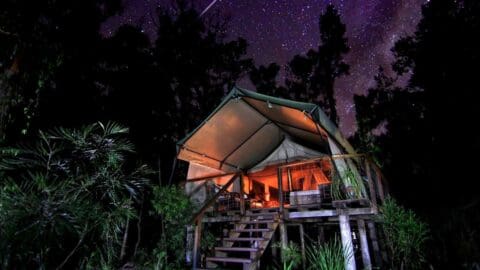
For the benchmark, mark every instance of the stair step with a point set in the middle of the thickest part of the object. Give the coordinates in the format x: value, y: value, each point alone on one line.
x: 250, y: 214
x: 254, y: 230
x: 248, y: 249
x: 229, y: 259
x: 251, y: 239
x: 260, y: 221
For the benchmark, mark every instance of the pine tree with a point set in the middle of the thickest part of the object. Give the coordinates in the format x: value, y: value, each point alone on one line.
x: 312, y: 77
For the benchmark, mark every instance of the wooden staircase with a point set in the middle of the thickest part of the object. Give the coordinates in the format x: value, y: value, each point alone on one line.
x: 246, y: 242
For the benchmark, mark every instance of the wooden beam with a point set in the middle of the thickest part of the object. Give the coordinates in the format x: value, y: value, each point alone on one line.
x: 373, y: 194
x: 199, y: 215
x: 377, y: 256
x: 321, y: 234
x: 346, y: 235
x: 367, y: 264
x: 343, y: 156
x: 331, y: 213
x: 209, y: 177
x: 302, y: 245
x: 189, y: 245
x: 210, y: 157
x: 283, y: 237
x: 280, y: 191
x: 196, y: 189
x: 289, y: 177
x: 303, y: 162
x: 221, y: 219
x: 242, y: 198
x: 310, y: 214
x: 196, y: 245
x: 378, y: 179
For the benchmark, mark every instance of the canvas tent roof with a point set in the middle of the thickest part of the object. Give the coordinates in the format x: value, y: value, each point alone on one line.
x: 247, y: 127
x: 287, y: 151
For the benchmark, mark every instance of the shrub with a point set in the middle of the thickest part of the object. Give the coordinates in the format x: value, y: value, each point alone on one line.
x: 329, y: 256
x: 405, y: 236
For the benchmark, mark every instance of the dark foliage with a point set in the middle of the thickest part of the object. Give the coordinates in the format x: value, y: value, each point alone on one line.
x: 426, y: 140
x: 265, y: 80
x: 312, y: 77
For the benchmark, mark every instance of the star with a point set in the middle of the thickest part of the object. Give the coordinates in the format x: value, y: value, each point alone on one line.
x: 278, y: 30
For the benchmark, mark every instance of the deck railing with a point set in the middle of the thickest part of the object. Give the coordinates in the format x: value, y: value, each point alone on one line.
x: 361, y: 182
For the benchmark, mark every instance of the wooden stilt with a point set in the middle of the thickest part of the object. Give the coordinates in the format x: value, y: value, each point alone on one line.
x: 321, y: 234
x: 378, y: 177
x: 280, y: 191
x: 302, y: 245
x: 346, y: 235
x: 283, y: 238
x: 373, y: 194
x: 283, y: 235
x: 189, y: 244
x: 367, y: 264
x: 274, y: 248
x: 289, y: 175
x: 196, y: 245
x: 242, y: 193
x: 377, y: 257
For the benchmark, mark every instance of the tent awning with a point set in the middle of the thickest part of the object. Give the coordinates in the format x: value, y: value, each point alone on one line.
x: 247, y: 127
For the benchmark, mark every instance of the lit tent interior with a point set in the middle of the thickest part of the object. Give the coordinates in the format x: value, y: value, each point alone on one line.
x: 253, y: 134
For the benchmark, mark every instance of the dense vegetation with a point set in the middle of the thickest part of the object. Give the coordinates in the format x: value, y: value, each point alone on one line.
x: 83, y: 196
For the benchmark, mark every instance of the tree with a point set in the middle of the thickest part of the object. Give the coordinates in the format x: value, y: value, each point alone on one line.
x: 67, y: 200
x: 194, y: 67
x: 47, y: 53
x: 265, y: 80
x: 405, y: 236
x: 426, y: 124
x: 312, y: 77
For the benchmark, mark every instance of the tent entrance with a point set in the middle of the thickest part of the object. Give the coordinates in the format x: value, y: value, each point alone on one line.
x: 302, y: 184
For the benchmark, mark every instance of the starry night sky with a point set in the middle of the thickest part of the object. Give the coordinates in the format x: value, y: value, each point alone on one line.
x: 276, y: 30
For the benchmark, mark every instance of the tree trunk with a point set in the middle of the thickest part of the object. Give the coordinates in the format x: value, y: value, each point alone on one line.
x: 124, y: 242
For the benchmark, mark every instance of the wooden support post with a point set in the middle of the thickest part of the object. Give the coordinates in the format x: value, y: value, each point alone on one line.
x: 196, y: 245
x: 367, y: 264
x: 302, y: 245
x: 346, y: 235
x: 378, y: 177
x: 321, y: 234
x: 273, y: 247
x: 280, y: 191
x: 373, y: 194
x: 242, y: 194
x: 189, y: 244
x: 283, y: 237
x: 289, y: 175
x: 377, y: 257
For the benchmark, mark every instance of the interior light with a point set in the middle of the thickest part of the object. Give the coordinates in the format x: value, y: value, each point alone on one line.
x: 269, y: 105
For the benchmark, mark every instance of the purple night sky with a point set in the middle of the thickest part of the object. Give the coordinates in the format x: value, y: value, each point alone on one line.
x: 278, y: 30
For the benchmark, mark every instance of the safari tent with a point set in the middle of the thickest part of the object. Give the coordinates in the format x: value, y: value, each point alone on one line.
x: 261, y: 158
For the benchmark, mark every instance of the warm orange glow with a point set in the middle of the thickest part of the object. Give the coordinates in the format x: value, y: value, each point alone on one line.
x: 264, y: 184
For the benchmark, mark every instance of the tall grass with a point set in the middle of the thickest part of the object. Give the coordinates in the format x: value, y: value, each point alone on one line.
x: 329, y: 256
x: 405, y: 236
x: 291, y: 256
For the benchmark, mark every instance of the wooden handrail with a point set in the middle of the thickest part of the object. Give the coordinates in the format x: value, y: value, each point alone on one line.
x: 199, y: 215
x: 208, y: 177
x: 335, y: 156
x: 379, y: 179
x: 196, y: 189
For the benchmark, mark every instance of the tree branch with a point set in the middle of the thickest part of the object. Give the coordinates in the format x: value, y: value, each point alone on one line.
x: 6, y: 33
x: 73, y: 250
